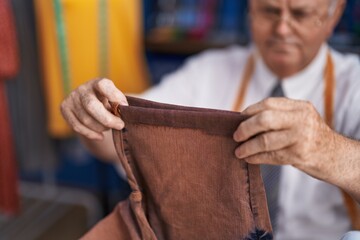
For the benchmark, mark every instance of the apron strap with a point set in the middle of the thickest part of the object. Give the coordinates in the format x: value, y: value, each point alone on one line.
x: 353, y: 208
x: 351, y: 205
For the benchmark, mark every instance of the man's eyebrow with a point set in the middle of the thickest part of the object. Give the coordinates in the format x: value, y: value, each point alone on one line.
x: 301, y: 8
x: 269, y: 3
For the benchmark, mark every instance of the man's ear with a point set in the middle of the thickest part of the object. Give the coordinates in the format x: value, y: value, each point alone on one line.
x: 335, y: 18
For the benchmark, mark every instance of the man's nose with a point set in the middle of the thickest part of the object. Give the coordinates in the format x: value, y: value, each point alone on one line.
x: 284, y: 25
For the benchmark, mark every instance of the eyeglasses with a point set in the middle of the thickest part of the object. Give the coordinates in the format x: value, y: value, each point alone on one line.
x: 295, y: 18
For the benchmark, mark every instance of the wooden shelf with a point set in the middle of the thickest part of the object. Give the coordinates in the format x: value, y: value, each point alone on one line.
x: 188, y: 47
x: 181, y: 47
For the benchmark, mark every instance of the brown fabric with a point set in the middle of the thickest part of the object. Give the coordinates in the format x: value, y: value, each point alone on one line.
x: 9, y: 202
x: 113, y: 226
x: 186, y: 181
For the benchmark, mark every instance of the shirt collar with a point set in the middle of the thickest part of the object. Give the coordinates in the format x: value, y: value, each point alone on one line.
x: 296, y: 86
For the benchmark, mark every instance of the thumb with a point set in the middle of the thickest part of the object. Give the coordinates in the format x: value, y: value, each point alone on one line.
x: 106, y: 88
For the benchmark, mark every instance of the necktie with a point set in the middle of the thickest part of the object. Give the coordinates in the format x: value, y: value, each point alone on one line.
x: 271, y: 175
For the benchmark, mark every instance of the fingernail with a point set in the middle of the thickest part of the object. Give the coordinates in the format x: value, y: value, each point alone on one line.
x: 239, y: 154
x: 238, y: 139
x: 120, y: 125
x: 124, y: 103
x: 235, y: 137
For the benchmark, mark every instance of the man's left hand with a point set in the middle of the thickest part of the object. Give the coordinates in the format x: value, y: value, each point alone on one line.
x: 282, y: 131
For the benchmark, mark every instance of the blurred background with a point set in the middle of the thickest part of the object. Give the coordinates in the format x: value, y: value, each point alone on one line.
x: 50, y: 186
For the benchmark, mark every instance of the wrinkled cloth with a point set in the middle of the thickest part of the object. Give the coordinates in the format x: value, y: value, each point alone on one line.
x: 186, y: 181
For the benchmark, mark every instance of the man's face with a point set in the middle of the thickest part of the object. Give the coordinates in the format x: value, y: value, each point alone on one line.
x: 289, y: 33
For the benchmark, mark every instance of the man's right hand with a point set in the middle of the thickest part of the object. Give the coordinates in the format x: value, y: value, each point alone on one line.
x: 87, y: 108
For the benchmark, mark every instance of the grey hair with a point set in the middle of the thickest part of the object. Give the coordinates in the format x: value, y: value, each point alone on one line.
x: 332, y: 7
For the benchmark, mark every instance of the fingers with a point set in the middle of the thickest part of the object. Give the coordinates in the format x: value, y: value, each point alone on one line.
x: 283, y: 132
x: 266, y: 142
x: 97, y: 110
x: 268, y: 120
x: 78, y: 127
x: 88, y: 120
x: 283, y: 104
x: 272, y: 158
x: 86, y: 108
x: 107, y: 89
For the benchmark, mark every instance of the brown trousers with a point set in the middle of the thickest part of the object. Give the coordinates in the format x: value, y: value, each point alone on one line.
x: 186, y: 180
